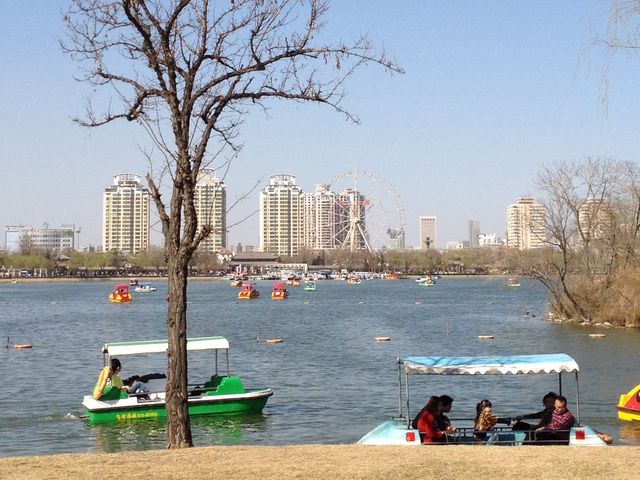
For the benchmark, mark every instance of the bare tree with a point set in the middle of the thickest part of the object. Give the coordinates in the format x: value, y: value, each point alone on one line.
x: 591, y: 222
x: 188, y: 71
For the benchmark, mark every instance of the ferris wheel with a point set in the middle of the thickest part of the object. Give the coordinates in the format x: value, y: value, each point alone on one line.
x: 367, y: 213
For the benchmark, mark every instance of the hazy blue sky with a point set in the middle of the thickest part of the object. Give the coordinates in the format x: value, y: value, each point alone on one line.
x: 492, y: 91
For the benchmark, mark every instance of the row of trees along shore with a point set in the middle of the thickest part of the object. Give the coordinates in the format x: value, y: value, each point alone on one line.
x: 481, y: 261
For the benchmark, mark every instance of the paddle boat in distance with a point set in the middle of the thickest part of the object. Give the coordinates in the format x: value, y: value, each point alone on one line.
x: 398, y: 430
x: 310, y: 286
x: 293, y: 281
x: 247, y: 291
x: 353, y: 281
x: 120, y: 294
x: 513, y: 283
x: 144, y: 289
x: 220, y: 394
x: 427, y: 281
x: 629, y: 405
x: 279, y: 292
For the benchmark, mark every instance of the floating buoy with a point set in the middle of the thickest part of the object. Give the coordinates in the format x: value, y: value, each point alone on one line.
x: 274, y: 340
x: 307, y: 302
x: 22, y: 345
x: 419, y: 302
x: 597, y: 335
x: 361, y: 303
x: 485, y: 337
x: 381, y: 339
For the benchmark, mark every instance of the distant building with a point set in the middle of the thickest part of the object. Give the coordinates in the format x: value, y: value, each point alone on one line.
x: 454, y: 245
x: 12, y: 238
x: 281, y: 216
x: 321, y: 221
x: 396, y: 239
x: 428, y: 232
x: 210, y: 200
x: 489, y: 240
x: 474, y: 233
x: 525, y: 224
x: 125, y: 215
x: 39, y: 238
x: 593, y: 219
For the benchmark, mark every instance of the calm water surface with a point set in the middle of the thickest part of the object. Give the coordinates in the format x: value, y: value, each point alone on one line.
x: 331, y: 382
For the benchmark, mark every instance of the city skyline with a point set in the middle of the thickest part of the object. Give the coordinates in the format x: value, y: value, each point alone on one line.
x: 492, y: 92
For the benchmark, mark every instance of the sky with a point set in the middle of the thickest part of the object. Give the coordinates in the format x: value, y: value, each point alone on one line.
x: 492, y: 91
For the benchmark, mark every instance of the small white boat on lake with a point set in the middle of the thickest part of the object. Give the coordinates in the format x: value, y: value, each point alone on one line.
x: 513, y: 283
x: 145, y: 289
x: 398, y: 430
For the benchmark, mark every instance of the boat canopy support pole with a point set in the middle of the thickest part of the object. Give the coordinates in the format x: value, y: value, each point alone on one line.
x: 560, y: 383
x: 399, y: 387
x: 577, y: 399
x: 406, y: 379
x: 228, y: 371
x: 216, y: 357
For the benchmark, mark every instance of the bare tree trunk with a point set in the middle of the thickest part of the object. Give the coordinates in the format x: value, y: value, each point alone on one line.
x: 178, y: 425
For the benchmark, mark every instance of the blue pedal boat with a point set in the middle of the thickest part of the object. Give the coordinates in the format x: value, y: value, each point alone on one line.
x: 398, y: 430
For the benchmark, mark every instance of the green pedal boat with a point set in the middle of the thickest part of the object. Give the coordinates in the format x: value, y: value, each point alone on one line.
x: 219, y: 394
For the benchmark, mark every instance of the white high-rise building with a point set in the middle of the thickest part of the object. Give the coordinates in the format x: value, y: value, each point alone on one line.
x: 324, y: 218
x: 428, y: 232
x: 211, y: 209
x: 281, y: 216
x: 320, y: 221
x: 125, y: 215
x: 525, y: 224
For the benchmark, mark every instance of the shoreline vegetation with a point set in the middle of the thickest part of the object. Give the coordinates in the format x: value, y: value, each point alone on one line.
x: 334, y: 461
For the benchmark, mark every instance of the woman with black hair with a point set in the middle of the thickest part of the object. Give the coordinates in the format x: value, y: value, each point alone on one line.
x: 109, y: 377
x: 485, y: 420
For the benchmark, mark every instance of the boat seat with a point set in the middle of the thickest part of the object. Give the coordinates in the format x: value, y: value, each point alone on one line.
x: 112, y: 393
x: 214, y: 382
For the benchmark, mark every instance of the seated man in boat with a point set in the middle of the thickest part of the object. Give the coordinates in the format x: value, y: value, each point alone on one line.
x: 485, y: 420
x: 139, y: 385
x: 543, y: 415
x: 561, y: 422
x: 109, y: 377
x: 442, y: 420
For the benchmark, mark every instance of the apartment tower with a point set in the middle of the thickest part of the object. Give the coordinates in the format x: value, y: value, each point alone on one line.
x: 211, y: 209
x: 525, y: 224
x: 474, y: 233
x: 281, y: 216
x: 125, y: 215
x: 428, y: 232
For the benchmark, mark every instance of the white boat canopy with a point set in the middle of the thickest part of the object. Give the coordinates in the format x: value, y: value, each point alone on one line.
x: 512, y: 364
x: 160, y: 346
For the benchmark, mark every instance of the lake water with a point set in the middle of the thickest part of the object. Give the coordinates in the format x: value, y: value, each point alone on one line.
x: 332, y: 383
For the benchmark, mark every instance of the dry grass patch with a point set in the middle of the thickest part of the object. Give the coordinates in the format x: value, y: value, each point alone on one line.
x: 334, y: 462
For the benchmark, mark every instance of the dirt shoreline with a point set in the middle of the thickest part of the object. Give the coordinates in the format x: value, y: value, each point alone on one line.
x: 334, y: 461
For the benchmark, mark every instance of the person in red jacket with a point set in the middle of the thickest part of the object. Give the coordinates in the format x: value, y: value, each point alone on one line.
x: 427, y: 422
